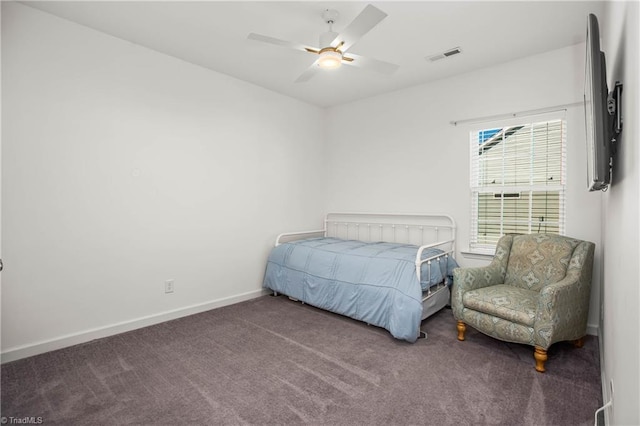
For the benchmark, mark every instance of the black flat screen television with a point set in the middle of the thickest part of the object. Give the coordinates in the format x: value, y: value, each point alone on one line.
x: 598, y: 121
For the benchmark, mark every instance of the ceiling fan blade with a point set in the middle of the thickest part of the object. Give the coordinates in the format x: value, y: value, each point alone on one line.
x: 364, y: 22
x: 370, y: 64
x: 283, y: 43
x: 309, y: 72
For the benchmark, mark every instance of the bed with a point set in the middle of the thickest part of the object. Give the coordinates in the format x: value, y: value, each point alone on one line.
x: 388, y: 270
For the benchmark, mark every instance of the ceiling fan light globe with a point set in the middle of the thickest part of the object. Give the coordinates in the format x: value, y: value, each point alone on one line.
x: 330, y: 60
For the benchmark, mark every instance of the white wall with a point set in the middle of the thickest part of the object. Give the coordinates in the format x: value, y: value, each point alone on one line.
x: 620, y: 35
x: 409, y: 158
x: 123, y: 168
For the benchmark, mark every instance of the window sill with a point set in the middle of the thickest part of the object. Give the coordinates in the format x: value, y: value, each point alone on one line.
x: 481, y: 255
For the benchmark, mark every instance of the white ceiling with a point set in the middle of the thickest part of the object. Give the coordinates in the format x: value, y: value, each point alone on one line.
x: 213, y: 34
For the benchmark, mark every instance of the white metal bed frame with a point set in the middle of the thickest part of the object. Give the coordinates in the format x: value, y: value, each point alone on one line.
x: 422, y: 230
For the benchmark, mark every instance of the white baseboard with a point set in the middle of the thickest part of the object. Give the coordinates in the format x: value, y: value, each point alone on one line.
x: 606, y: 390
x: 25, y: 351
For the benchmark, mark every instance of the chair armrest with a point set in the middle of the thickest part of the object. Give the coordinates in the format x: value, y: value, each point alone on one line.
x: 563, y: 307
x: 473, y: 278
x: 484, y: 276
x: 465, y: 279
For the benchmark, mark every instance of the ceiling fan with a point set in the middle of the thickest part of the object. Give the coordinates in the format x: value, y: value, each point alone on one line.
x: 333, y: 46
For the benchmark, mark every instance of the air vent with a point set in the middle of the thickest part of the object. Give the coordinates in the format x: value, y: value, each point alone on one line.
x: 445, y: 54
x: 452, y: 52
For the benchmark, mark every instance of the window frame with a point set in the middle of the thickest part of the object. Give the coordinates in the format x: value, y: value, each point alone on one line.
x: 476, y: 244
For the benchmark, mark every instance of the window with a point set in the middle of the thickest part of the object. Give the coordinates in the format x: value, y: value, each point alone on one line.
x: 517, y: 181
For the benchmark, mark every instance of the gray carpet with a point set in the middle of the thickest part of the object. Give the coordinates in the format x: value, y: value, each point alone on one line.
x: 274, y: 361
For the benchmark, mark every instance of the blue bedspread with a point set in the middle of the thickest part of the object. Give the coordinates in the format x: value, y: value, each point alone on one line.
x: 372, y: 282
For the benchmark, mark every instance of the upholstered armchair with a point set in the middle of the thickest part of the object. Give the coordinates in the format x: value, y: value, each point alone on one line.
x: 535, y: 291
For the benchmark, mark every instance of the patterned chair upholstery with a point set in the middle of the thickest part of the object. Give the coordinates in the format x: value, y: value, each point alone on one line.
x: 535, y: 291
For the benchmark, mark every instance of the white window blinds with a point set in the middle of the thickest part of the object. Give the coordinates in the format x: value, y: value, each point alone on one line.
x: 517, y: 180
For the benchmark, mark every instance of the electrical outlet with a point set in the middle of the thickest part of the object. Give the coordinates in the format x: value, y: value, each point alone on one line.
x: 168, y: 286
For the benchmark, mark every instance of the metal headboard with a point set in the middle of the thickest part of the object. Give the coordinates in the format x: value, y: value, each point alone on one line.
x: 418, y: 229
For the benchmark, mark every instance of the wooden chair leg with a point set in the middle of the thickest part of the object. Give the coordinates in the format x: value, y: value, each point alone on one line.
x: 461, y: 329
x: 578, y: 343
x: 541, y: 356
